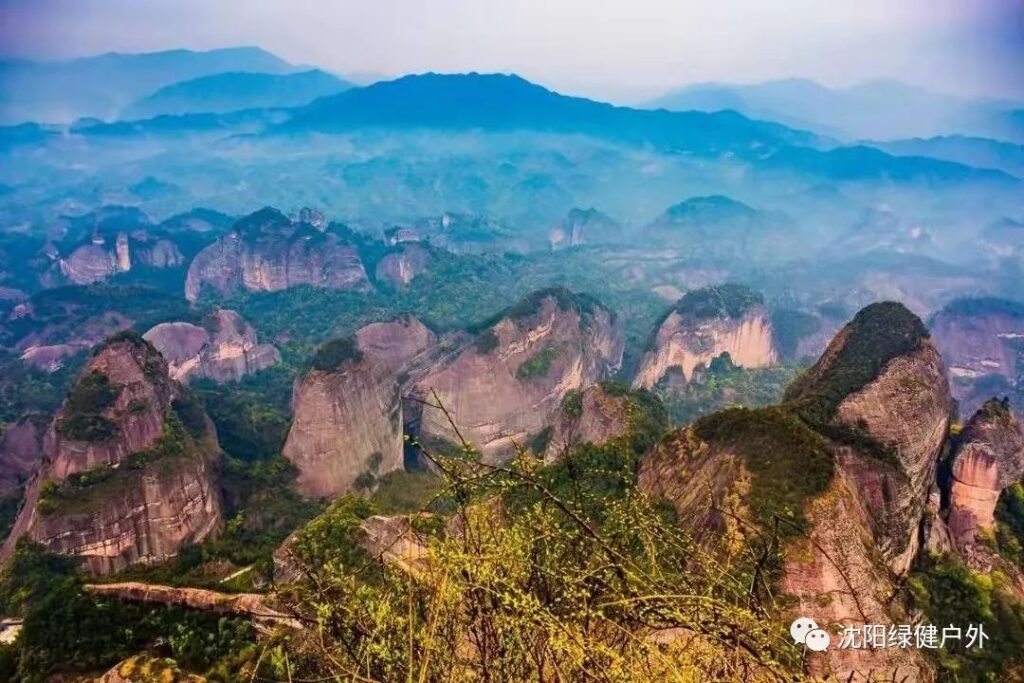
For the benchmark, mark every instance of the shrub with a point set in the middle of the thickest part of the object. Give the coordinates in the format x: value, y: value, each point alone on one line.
x: 88, y: 398
x: 539, y: 364
x: 330, y: 356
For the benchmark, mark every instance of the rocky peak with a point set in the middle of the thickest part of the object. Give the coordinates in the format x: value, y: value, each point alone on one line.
x: 312, y: 217
x: 880, y: 393
x: 403, y: 263
x: 704, y: 324
x: 347, y: 425
x: 509, y: 383
x: 266, y: 251
x: 988, y: 457
x: 225, y: 348
x: 582, y: 226
x: 128, y: 473
x: 115, y: 408
x: 395, y: 343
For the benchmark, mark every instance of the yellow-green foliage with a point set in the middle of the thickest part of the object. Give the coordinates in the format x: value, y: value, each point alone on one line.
x: 536, y: 591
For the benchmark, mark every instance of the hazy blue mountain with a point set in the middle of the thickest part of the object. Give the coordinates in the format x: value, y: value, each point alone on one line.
x: 496, y: 102
x: 233, y: 91
x: 100, y: 86
x: 879, y: 109
x: 979, y: 152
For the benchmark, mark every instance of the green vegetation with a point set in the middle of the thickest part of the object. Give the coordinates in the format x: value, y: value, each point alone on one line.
x: 332, y: 355
x: 9, y: 505
x: 789, y: 462
x: 402, y: 492
x: 68, y: 631
x: 720, y: 301
x: 252, y: 415
x: 572, y: 403
x: 724, y: 385
x: 1009, y: 532
x: 83, y: 418
x: 486, y: 341
x: 26, y: 390
x: 333, y: 538
x: 539, y: 364
x: 950, y: 594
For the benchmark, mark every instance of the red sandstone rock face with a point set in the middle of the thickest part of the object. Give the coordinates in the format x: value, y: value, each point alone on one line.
x: 394, y: 344
x: 144, y: 393
x: 267, y: 252
x: 489, y: 389
x: 400, y: 267
x: 126, y: 514
x: 680, y: 343
x: 225, y: 349
x: 601, y: 417
x: 21, y: 451
x: 347, y: 422
x: 988, y: 457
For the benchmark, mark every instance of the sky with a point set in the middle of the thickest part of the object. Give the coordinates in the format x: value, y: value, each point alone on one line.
x: 623, y: 51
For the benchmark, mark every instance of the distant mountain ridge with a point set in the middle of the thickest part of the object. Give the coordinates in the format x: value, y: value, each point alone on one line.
x: 100, y: 86
x: 879, y: 110
x: 236, y: 90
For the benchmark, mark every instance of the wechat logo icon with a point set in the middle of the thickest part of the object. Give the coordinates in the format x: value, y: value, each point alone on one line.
x: 805, y: 632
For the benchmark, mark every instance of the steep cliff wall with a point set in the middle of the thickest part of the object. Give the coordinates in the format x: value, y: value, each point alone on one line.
x: 703, y: 325
x: 267, y: 252
x: 988, y: 457
x: 846, y: 464
x: 347, y: 422
x: 129, y: 472
x: 395, y: 343
x: 225, y: 348
x: 399, y: 267
x: 590, y: 416
x: 509, y: 383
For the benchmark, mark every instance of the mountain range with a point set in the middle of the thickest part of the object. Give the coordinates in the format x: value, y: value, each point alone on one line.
x: 101, y: 86
x: 880, y: 110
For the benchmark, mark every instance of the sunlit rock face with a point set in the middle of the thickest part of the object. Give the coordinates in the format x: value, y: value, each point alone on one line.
x: 853, y: 449
x: 395, y: 343
x: 267, y: 252
x: 596, y: 417
x: 988, y: 457
x: 703, y: 325
x: 129, y: 472
x: 224, y: 348
x: 347, y: 423
x: 508, y: 384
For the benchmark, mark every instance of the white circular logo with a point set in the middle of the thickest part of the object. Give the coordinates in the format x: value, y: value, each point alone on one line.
x: 817, y: 640
x: 800, y: 628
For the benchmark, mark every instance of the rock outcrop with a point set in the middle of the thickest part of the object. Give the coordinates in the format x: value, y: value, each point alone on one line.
x: 980, y: 340
x: 119, y: 239
x: 347, y: 425
x: 988, y: 457
x: 129, y: 465
x: 395, y: 343
x: 267, y: 252
x: 703, y: 325
x: 846, y: 463
x: 21, y: 451
x: 509, y: 383
x: 593, y: 415
x: 880, y: 392
x: 583, y: 226
x: 225, y: 348
x: 400, y: 266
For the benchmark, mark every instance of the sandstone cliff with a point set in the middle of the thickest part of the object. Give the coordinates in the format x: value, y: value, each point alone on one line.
x: 703, y: 325
x: 347, y: 425
x: 395, y: 343
x: 267, y: 252
x: 584, y: 226
x: 509, y: 383
x: 593, y: 415
x: 846, y: 465
x: 400, y: 266
x: 224, y: 349
x: 988, y: 457
x: 110, y: 253
x: 980, y: 341
x: 129, y: 465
